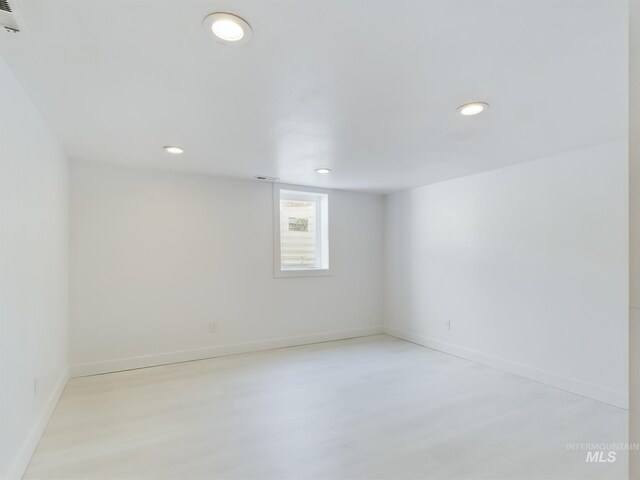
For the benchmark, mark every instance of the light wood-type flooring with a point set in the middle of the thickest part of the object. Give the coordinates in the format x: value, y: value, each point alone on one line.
x: 373, y: 407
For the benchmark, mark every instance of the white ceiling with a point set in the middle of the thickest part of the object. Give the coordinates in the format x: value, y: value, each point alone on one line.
x: 367, y: 88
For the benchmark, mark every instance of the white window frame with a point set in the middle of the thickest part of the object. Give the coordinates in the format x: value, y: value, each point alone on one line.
x: 322, y: 239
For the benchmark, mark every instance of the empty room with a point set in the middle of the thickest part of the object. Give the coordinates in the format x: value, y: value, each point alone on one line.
x: 319, y: 239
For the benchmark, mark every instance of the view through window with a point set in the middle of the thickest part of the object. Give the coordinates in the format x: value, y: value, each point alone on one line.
x: 303, y: 230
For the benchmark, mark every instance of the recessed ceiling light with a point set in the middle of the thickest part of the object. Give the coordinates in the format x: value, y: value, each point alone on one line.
x: 472, y: 108
x: 173, y: 149
x: 323, y: 170
x: 227, y: 28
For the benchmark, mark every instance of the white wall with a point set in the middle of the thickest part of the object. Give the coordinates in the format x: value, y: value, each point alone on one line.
x: 634, y: 235
x: 33, y: 275
x: 528, y: 263
x: 157, y: 256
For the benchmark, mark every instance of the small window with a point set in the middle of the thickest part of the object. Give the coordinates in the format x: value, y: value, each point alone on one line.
x: 301, y: 226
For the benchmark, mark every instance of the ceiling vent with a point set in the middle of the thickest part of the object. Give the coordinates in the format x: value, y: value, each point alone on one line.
x: 8, y: 17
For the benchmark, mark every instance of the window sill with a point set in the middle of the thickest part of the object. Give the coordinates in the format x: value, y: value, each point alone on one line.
x: 309, y: 272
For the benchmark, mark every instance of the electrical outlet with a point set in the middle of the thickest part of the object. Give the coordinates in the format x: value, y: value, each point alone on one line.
x: 447, y: 325
x: 212, y: 328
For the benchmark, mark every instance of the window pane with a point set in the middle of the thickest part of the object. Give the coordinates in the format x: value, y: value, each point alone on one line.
x: 298, y: 228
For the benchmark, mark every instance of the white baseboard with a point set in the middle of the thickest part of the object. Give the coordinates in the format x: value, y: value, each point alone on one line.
x: 596, y: 392
x: 131, y: 363
x: 16, y: 471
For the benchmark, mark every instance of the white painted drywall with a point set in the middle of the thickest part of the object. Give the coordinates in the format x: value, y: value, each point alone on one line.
x: 528, y: 263
x: 156, y: 256
x: 33, y: 274
x: 634, y: 236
